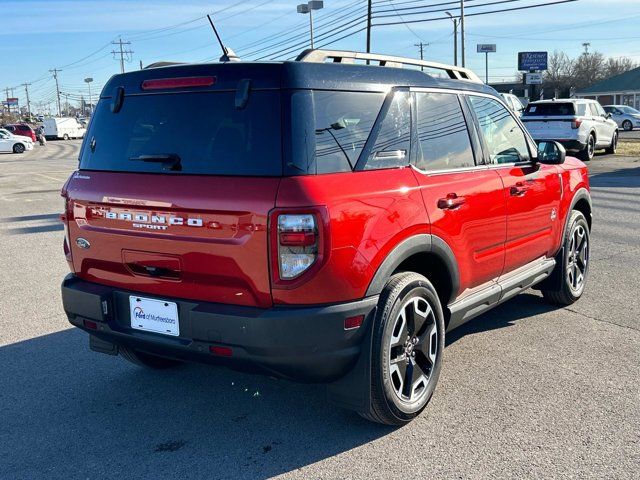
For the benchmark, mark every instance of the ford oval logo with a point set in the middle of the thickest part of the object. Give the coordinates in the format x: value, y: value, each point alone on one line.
x: 82, y: 242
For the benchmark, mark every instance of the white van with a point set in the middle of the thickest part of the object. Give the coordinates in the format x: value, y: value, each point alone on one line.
x: 62, y: 128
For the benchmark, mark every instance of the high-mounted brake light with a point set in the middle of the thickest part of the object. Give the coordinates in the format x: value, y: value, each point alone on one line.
x: 181, y: 82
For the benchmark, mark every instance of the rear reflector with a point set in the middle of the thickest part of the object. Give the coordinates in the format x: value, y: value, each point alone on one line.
x: 353, y: 322
x: 90, y: 325
x: 164, y: 83
x: 220, y: 351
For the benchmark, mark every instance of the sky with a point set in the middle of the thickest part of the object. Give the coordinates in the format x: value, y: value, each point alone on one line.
x: 75, y: 35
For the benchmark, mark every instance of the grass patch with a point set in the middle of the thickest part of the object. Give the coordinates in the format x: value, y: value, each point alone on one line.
x: 628, y: 149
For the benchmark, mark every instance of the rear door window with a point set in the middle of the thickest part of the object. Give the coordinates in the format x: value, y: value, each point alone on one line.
x: 204, y: 130
x: 443, y: 138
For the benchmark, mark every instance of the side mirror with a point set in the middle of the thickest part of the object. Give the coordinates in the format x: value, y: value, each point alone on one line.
x: 607, y: 115
x: 551, y: 152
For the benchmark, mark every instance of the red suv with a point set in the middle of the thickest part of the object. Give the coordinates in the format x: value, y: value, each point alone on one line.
x: 319, y: 221
x: 22, y: 129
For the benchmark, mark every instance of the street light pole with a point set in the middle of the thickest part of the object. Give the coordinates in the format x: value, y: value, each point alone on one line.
x: 89, y: 80
x: 455, y: 38
x: 309, y: 7
x: 462, y: 30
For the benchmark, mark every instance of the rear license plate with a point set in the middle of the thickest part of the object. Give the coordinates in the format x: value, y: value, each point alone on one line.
x: 153, y: 315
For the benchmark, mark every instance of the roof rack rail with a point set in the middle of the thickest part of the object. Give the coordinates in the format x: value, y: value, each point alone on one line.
x: 343, y: 56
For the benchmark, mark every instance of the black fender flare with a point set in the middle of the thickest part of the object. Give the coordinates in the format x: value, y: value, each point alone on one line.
x: 421, y: 243
x: 581, y: 194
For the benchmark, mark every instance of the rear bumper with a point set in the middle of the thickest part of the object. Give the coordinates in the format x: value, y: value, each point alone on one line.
x: 300, y: 343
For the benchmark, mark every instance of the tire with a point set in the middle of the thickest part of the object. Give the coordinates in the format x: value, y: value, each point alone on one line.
x: 147, y: 360
x: 587, y: 153
x: 574, y: 264
x: 627, y: 126
x: 611, y: 149
x: 18, y: 148
x: 408, y: 305
x: 65, y: 137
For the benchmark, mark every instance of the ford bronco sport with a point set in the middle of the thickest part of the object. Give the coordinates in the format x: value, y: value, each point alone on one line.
x: 321, y: 220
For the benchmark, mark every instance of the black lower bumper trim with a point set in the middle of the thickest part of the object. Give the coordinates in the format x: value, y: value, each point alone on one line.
x: 300, y: 343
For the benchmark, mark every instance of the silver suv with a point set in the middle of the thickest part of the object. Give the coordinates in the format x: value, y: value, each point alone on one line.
x: 582, y: 126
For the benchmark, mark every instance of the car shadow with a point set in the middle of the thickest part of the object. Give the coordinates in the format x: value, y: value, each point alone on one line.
x: 523, y: 306
x: 621, y: 178
x: 73, y: 413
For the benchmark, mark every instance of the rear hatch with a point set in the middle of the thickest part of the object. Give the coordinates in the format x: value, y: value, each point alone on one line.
x: 555, y: 120
x: 178, y: 172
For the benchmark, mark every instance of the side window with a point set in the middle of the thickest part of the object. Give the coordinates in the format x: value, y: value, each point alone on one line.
x: 505, y: 140
x: 581, y: 109
x: 342, y: 122
x: 443, y: 138
x: 600, y: 110
x: 593, y: 109
x: 391, y: 147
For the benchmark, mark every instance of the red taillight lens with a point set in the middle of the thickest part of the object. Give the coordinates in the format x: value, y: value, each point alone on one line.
x: 353, y: 322
x: 220, y: 351
x: 297, y: 244
x: 183, y: 82
x: 90, y: 325
x: 575, y: 124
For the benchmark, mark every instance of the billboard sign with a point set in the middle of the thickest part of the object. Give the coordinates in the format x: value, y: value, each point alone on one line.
x: 533, y: 78
x: 11, y: 102
x: 486, y: 48
x: 532, y: 61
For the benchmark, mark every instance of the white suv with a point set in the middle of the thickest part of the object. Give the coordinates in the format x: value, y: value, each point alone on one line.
x: 582, y: 126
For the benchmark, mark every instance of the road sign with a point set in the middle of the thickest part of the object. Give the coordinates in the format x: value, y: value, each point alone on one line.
x: 486, y: 48
x: 532, y: 61
x: 11, y: 102
x: 533, y: 78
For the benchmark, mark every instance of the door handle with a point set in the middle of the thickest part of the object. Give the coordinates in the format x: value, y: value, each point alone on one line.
x: 450, y: 202
x: 519, y: 189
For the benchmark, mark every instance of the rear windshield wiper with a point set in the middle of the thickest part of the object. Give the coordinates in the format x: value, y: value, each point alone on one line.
x: 169, y: 161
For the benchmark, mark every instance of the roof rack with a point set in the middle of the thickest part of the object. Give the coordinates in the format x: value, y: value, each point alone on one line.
x: 343, y: 56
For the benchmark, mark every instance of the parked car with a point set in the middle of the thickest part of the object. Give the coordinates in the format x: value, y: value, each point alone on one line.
x: 581, y: 126
x: 21, y: 129
x: 308, y: 228
x: 513, y: 102
x: 14, y: 143
x: 626, y: 117
x: 57, y: 128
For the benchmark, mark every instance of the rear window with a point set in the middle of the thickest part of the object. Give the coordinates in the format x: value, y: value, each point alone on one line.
x: 204, y: 130
x: 542, y: 109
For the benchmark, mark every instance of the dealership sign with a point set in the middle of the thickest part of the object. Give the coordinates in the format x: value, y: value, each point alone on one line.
x: 11, y: 102
x: 532, y: 61
x: 533, y: 78
x: 486, y: 48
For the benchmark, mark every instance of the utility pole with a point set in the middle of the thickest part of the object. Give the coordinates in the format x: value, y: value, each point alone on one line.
x: 421, y: 46
x: 55, y: 72
x: 462, y: 30
x: 586, y: 46
x: 6, y: 91
x: 368, y: 27
x: 121, y: 52
x: 26, y: 90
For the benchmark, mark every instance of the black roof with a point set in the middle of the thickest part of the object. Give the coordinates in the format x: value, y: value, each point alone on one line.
x: 294, y: 75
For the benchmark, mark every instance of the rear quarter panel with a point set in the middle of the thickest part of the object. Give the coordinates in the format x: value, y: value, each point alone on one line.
x: 575, y: 177
x: 370, y: 212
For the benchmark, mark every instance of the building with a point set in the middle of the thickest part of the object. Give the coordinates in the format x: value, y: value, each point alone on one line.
x: 623, y: 89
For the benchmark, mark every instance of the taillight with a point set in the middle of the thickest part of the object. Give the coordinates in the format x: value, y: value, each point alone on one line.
x: 575, y: 124
x: 297, y: 244
x: 64, y: 217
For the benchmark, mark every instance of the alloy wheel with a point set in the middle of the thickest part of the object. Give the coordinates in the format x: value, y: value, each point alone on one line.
x: 577, y: 259
x: 413, y: 349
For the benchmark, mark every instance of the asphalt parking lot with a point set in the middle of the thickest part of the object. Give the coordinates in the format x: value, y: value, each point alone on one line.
x: 527, y: 390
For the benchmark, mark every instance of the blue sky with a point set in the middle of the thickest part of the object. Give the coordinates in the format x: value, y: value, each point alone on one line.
x: 75, y: 35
